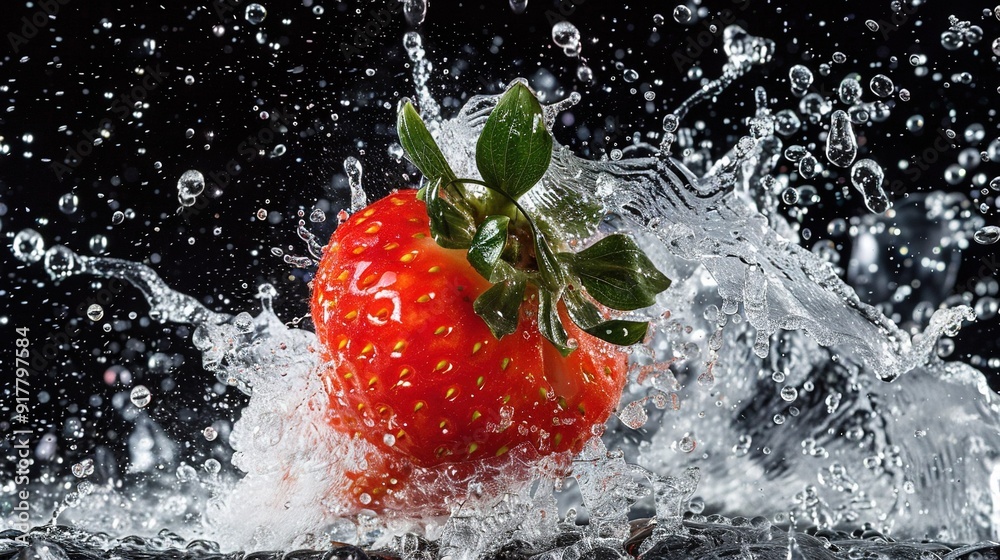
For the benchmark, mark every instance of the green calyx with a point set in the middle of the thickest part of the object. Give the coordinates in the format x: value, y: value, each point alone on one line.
x: 505, y: 243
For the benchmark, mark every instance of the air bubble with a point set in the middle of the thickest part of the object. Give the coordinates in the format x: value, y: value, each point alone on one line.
x: 800, y: 79
x: 565, y: 35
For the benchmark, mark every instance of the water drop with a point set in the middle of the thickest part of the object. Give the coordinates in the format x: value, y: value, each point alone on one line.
x: 243, y: 322
x: 841, y: 144
x: 28, y: 246
x: 358, y: 197
x: 800, y: 78
x: 83, y: 469
x: 881, y: 85
x: 189, y: 186
x: 915, y: 123
x: 584, y: 74
x: 212, y: 466
x: 808, y: 166
x: 518, y: 6
x: 789, y: 393
x: 630, y: 75
x: 95, y: 312
x: 682, y: 14
x: 850, y: 91
x: 209, y: 433
x: 904, y: 94
x: 867, y: 176
x: 415, y: 11
x: 951, y: 40
x: 872, y: 25
x: 565, y: 35
x: 687, y: 444
x: 118, y: 217
x: 786, y: 122
x: 140, y: 396
x: 790, y: 195
x: 317, y: 216
x: 255, y: 13
x: 68, y: 203
x: 987, y: 235
x: 996, y: 46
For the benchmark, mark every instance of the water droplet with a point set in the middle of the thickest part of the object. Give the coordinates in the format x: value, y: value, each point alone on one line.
x: 867, y: 176
x: 687, y: 444
x: 518, y: 6
x: 255, y: 13
x: 317, y: 216
x: 850, y: 91
x: 790, y: 195
x: 415, y: 11
x: 630, y: 75
x: 189, y: 186
x: 28, y: 246
x: 917, y: 59
x: 358, y: 197
x: 786, y: 122
x: 244, y: 322
x: 140, y: 396
x: 83, y: 469
x: 389, y: 440
x: 584, y: 73
x: 778, y: 376
x: 987, y: 235
x: 808, y: 166
x: 881, y: 85
x: 118, y: 217
x: 212, y: 466
x: 996, y: 46
x: 682, y: 14
x: 904, y: 94
x: 186, y: 473
x: 872, y: 25
x: 209, y: 433
x: 565, y: 35
x: 634, y: 415
x: 839, y: 57
x: 779, y: 419
x: 951, y: 40
x: 789, y: 393
x: 95, y: 312
x: 915, y: 123
x: 841, y: 144
x: 800, y: 78
x: 68, y: 203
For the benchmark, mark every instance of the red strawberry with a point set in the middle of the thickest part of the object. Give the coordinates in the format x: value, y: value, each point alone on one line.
x: 415, y: 371
x: 455, y: 331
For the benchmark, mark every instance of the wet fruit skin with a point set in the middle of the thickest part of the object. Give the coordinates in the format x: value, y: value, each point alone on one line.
x: 410, y: 367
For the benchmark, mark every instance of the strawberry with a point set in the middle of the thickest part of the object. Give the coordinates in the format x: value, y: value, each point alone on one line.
x: 455, y: 331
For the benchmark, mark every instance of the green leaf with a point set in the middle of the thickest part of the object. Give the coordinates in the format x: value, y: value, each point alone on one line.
x: 420, y: 146
x: 514, y: 148
x: 618, y: 274
x: 549, y: 267
x: 500, y: 306
x: 588, y: 317
x: 488, y: 244
x: 450, y: 227
x: 549, y: 323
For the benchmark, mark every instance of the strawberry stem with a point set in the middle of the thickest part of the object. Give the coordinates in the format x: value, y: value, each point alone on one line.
x: 504, y: 242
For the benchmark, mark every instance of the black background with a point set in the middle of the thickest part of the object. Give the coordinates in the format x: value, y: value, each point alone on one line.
x: 54, y: 88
